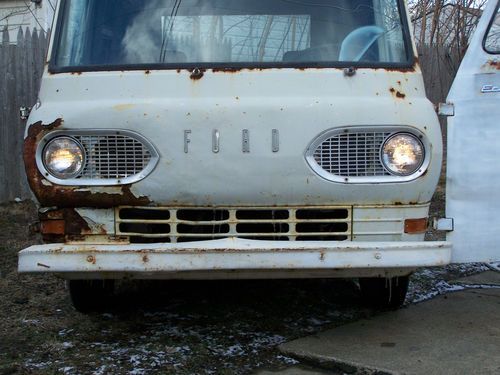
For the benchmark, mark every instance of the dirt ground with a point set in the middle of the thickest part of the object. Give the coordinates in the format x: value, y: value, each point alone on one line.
x: 230, y: 327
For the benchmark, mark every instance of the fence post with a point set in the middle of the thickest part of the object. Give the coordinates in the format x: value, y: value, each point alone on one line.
x: 4, y: 141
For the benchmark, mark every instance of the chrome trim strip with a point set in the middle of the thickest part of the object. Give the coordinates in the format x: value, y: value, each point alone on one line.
x: 215, y: 141
x: 246, y: 141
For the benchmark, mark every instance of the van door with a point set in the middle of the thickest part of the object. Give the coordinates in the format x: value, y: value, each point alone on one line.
x: 473, y: 164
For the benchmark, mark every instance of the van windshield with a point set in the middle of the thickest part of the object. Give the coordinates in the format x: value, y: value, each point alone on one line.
x: 257, y: 33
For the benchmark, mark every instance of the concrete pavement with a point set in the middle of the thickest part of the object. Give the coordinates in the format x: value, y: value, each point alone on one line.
x: 456, y: 333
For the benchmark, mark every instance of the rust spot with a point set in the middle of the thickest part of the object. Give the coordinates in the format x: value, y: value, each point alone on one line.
x: 226, y: 70
x: 67, y: 196
x: 147, y: 72
x: 197, y: 74
x: 398, y: 94
x: 52, y: 227
x: 145, y: 259
x: 234, y: 70
x: 411, y: 69
x: 494, y: 64
x: 91, y: 259
x: 75, y: 224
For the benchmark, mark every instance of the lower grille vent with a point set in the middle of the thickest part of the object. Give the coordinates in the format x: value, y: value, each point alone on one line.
x: 198, y: 224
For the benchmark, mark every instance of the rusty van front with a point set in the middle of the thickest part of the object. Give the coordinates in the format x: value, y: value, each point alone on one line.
x: 232, y: 139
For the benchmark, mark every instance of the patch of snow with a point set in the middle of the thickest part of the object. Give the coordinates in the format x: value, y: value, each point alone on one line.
x: 233, y: 351
x: 36, y: 365
x: 64, y: 332
x: 101, y: 370
x: 440, y: 287
x: 31, y: 321
x: 287, y: 360
x: 317, y: 322
x: 266, y: 341
x: 495, y: 266
x: 428, y: 283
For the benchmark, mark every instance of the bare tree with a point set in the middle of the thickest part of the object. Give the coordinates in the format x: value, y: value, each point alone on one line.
x: 443, y: 29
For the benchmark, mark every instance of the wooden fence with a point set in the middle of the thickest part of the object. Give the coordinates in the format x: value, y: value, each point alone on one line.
x: 439, y: 66
x: 21, y: 67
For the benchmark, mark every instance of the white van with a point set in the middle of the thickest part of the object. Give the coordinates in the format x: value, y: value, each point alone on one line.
x: 203, y: 139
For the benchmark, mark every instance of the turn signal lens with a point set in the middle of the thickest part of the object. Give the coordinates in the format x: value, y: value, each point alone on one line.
x: 416, y: 226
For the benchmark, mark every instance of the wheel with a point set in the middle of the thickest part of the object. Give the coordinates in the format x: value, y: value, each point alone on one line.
x: 384, y: 292
x: 90, y: 296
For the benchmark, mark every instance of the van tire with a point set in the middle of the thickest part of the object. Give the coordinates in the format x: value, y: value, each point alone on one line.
x: 89, y: 296
x: 385, y: 293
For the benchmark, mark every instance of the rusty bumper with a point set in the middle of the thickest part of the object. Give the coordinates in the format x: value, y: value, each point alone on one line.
x: 228, y: 255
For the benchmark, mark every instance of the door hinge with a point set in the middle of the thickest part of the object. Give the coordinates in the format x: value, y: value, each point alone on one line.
x: 444, y: 224
x: 446, y: 109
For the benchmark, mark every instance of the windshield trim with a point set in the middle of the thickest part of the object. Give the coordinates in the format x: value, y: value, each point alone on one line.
x: 409, y: 65
x: 486, y: 34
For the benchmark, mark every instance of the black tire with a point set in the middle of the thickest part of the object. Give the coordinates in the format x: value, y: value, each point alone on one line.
x: 385, y: 293
x: 90, y: 296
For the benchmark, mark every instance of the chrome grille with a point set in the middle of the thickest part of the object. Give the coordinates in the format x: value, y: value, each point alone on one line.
x: 355, y: 154
x: 151, y: 224
x: 113, y: 156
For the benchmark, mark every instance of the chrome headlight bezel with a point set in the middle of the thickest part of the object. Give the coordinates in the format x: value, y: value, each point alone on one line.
x: 89, y: 139
x: 59, y: 175
x: 387, y: 131
x: 415, y: 169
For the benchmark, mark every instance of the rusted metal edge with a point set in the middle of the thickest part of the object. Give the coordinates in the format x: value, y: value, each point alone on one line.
x: 49, y: 194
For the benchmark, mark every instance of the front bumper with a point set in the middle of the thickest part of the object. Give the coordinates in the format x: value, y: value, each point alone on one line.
x: 231, y: 255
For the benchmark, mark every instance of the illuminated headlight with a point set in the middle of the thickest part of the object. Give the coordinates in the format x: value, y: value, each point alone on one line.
x: 63, y: 157
x: 402, y: 154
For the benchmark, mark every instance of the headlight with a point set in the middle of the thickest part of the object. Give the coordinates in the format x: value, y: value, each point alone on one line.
x: 402, y: 154
x: 63, y: 157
